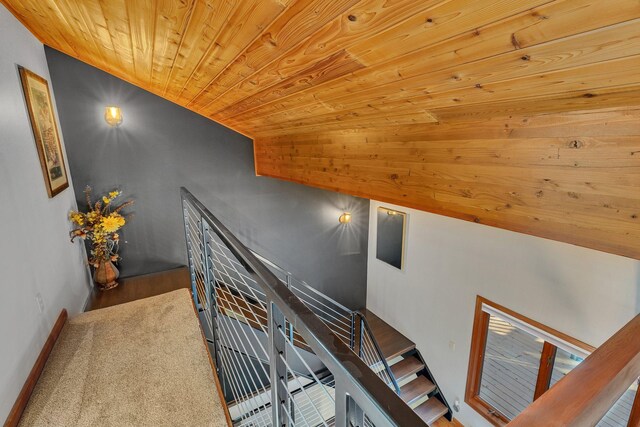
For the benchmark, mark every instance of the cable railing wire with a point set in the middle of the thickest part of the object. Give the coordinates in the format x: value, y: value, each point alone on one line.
x: 339, y: 319
x: 282, y: 349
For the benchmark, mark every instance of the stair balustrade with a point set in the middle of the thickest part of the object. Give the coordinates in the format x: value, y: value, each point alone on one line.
x: 289, y: 355
x: 282, y: 350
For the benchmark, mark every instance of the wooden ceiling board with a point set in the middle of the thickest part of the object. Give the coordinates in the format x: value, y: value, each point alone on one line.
x: 356, y: 24
x: 424, y: 68
x: 297, y: 23
x: 600, y: 75
x: 262, y: 65
x: 565, y: 102
x: 198, y: 35
x: 615, y: 42
x: 246, y: 23
x: 572, y: 177
x: 171, y: 23
x: 520, y: 114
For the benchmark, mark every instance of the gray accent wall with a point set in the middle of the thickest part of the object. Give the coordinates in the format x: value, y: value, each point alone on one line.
x: 161, y: 146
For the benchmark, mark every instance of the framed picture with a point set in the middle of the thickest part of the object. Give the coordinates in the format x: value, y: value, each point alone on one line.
x: 391, y: 234
x: 45, y: 131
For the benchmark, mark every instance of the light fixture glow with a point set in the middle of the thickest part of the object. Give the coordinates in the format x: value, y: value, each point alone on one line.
x: 345, y: 218
x: 113, y: 115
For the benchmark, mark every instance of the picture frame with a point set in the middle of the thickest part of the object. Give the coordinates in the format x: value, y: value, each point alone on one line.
x: 45, y: 131
x: 391, y: 234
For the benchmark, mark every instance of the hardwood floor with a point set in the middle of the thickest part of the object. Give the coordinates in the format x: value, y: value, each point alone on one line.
x: 138, y: 287
x: 392, y: 343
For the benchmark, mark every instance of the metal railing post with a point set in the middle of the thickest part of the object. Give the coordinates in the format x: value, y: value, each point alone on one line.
x: 210, y: 288
x: 277, y: 367
x: 192, y: 272
x: 355, y: 414
x: 292, y: 411
x: 204, y: 228
x: 341, y: 404
x: 361, y: 336
x: 352, y: 335
x: 288, y: 283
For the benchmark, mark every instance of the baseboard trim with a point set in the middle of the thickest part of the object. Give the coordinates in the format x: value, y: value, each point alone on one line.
x: 23, y: 398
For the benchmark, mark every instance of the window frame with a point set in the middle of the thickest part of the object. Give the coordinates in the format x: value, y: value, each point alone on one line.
x: 477, y: 353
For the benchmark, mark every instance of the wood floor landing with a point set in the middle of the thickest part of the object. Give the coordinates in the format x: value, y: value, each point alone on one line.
x: 392, y: 343
x: 138, y: 287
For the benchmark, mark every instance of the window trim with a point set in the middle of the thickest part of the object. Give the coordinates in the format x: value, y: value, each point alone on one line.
x: 478, y: 346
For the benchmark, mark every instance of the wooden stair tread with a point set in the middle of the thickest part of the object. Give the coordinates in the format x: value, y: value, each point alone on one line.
x: 406, y: 367
x: 416, y: 389
x: 392, y: 343
x: 431, y: 410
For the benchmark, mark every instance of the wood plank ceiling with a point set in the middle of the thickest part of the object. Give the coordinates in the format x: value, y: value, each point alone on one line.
x: 416, y: 102
x: 272, y: 66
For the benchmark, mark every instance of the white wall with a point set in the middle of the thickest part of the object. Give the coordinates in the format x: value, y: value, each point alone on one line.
x: 35, y: 253
x: 584, y: 293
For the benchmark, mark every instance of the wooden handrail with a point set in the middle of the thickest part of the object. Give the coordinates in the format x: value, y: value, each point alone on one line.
x: 586, y: 393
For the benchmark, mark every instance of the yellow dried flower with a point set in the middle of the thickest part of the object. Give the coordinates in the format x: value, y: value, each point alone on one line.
x: 99, y: 226
x: 92, y: 217
x: 112, y: 222
x: 76, y: 217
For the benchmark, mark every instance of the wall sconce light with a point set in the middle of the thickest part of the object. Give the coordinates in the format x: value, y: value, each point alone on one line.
x: 345, y: 218
x: 113, y: 115
x: 389, y: 212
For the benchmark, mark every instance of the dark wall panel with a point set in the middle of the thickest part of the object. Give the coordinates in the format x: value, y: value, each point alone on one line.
x: 161, y: 146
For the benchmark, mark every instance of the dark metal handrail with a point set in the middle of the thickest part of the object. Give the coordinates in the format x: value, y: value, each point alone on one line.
x: 353, y: 377
x: 353, y: 313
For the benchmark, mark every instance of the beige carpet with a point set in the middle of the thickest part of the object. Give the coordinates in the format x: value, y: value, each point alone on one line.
x: 143, y: 363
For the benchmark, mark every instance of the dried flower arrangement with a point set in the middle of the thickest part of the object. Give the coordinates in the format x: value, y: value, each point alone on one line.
x: 100, y: 225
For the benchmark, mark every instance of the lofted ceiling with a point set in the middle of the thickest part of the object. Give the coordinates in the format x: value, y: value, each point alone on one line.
x: 269, y: 67
x: 520, y: 114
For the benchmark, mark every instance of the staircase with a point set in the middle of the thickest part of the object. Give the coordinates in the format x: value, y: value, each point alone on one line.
x: 284, y: 352
x: 417, y: 386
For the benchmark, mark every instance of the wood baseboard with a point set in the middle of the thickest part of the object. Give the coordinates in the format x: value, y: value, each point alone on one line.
x: 23, y: 398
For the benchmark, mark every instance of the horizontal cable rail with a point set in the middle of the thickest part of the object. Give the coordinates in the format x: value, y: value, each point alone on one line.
x: 335, y: 315
x: 341, y: 321
x: 273, y: 344
x: 585, y: 395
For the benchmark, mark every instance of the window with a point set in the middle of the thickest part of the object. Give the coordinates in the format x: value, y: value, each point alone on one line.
x: 514, y: 360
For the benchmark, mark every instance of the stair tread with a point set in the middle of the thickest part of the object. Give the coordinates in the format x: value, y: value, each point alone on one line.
x: 416, y: 389
x: 431, y: 410
x: 392, y: 343
x: 406, y: 367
